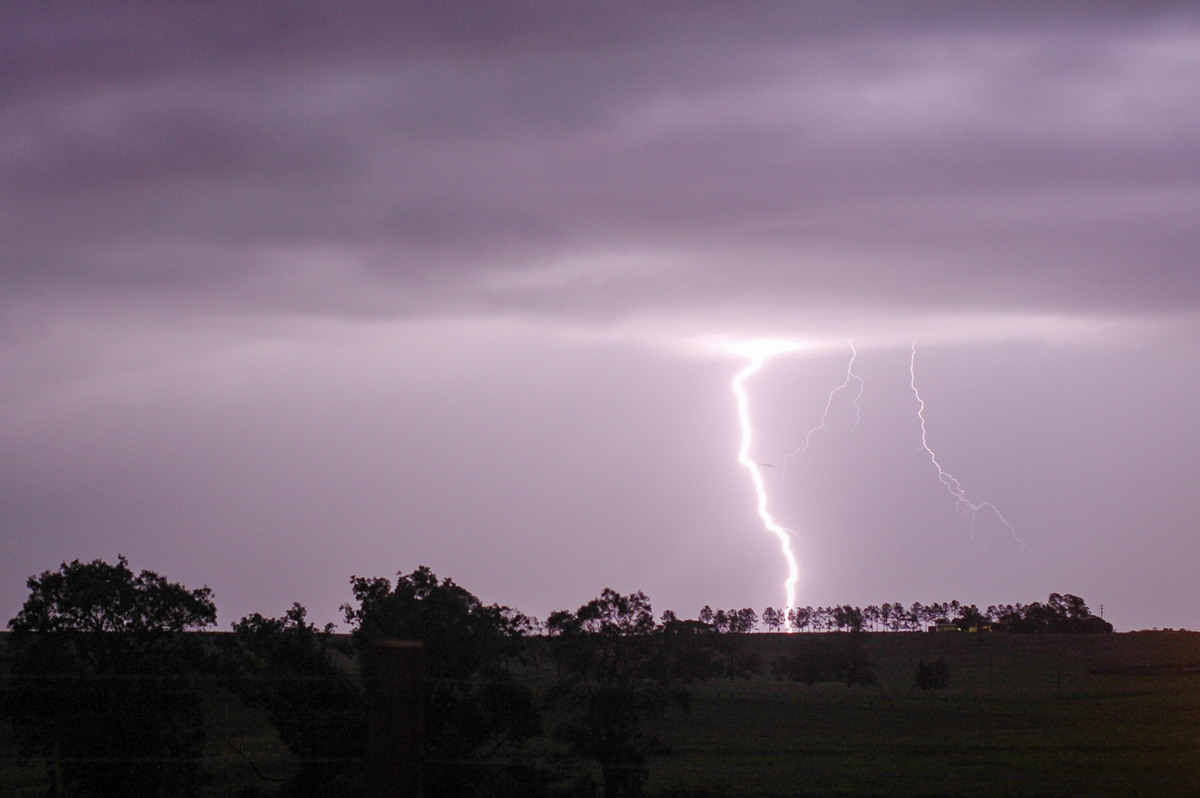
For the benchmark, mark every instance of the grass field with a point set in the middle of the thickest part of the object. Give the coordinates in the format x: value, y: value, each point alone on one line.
x: 1054, y: 715
x: 1025, y: 715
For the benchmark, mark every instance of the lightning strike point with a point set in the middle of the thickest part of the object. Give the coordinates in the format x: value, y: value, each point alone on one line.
x: 759, y: 352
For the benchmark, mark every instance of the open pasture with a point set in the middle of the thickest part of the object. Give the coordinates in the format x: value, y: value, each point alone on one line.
x: 1027, y: 715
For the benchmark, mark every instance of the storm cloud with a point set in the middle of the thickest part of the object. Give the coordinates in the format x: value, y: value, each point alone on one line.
x: 295, y: 288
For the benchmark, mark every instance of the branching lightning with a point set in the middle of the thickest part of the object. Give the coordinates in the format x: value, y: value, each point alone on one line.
x: 850, y: 375
x: 962, y: 503
x: 759, y: 352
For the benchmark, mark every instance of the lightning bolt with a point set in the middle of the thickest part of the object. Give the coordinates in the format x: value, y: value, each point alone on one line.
x: 850, y: 375
x: 759, y: 352
x: 962, y: 503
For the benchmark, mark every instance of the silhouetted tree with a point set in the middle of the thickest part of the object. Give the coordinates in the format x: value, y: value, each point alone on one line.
x: 720, y: 621
x: 773, y: 619
x: 802, y: 617
x: 285, y: 666
x: 521, y: 638
x: 476, y: 715
x: 613, y: 682
x: 742, y: 621
x: 847, y: 617
x: 688, y: 651
x: 899, y: 616
x: 104, y: 680
x: 885, y: 615
x: 970, y: 617
x: 1060, y: 613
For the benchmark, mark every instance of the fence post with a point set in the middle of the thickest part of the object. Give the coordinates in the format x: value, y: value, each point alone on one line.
x: 396, y: 722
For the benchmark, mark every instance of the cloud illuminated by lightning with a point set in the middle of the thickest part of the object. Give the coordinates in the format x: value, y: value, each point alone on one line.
x: 955, y: 488
x: 759, y: 352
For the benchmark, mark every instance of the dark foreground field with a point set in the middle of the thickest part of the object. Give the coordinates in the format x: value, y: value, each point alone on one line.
x: 1078, y: 715
x: 1029, y: 715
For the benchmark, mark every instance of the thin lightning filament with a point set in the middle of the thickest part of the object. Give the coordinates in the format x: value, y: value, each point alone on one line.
x: 850, y: 377
x: 952, y: 484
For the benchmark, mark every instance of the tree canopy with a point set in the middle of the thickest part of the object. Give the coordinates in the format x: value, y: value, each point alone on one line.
x: 316, y: 707
x: 97, y: 646
x: 615, y: 669
x: 474, y: 709
x: 103, y: 597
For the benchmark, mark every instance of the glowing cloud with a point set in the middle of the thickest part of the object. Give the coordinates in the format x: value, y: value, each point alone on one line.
x: 763, y: 349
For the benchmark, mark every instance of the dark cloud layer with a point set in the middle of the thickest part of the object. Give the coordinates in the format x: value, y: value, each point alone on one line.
x: 159, y: 146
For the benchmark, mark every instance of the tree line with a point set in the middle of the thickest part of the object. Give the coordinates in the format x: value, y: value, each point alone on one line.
x: 107, y: 680
x: 1061, y: 612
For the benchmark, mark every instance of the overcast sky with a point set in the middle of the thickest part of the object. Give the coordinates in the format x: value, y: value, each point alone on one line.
x: 292, y: 292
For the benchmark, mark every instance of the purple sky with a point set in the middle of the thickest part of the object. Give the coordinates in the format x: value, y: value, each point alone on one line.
x: 291, y: 292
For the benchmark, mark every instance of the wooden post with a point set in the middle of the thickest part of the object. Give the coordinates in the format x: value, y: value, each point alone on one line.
x: 396, y: 722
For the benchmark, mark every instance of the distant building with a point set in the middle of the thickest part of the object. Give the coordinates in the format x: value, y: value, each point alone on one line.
x: 974, y: 626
